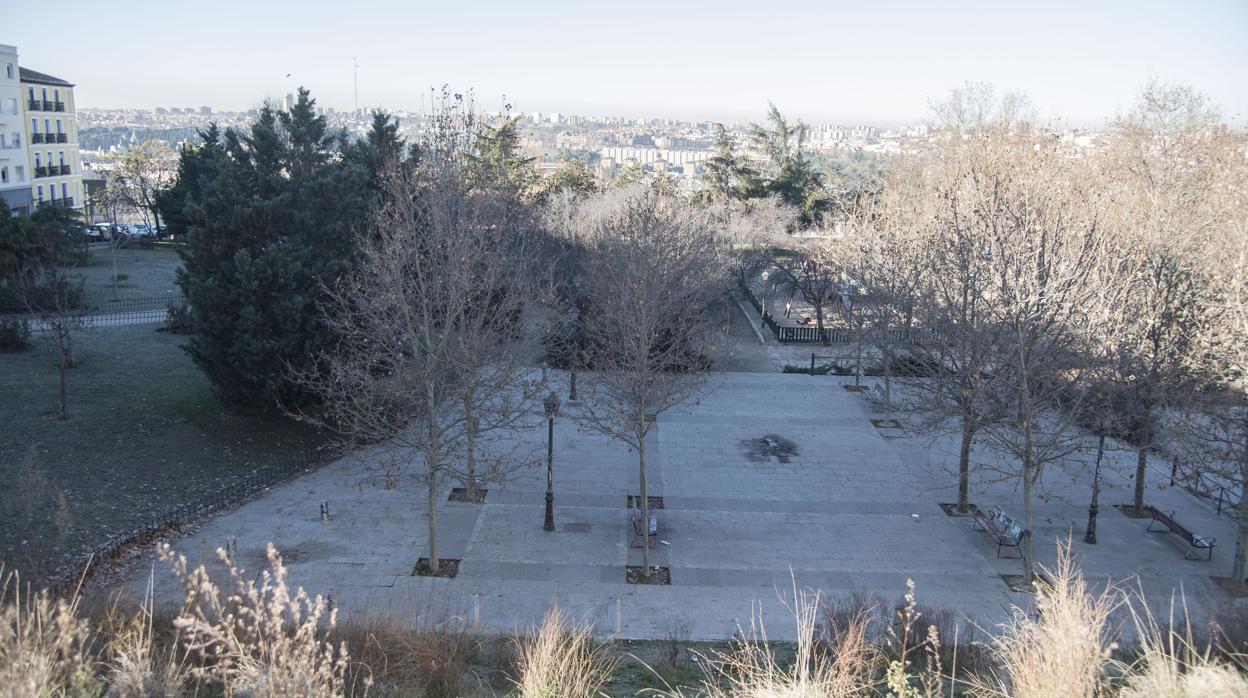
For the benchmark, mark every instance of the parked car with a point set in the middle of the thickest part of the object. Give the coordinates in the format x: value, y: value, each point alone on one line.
x: 139, y: 230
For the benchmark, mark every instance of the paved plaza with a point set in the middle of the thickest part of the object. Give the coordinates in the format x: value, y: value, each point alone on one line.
x: 855, y: 511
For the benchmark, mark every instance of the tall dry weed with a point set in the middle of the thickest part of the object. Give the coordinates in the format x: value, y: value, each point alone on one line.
x: 1063, y: 651
x: 839, y: 665
x: 562, y: 660
x: 261, y: 639
x: 45, y: 644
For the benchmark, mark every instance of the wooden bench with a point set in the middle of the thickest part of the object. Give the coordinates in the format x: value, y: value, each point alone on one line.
x: 1167, y: 519
x: 653, y: 528
x: 1001, y: 527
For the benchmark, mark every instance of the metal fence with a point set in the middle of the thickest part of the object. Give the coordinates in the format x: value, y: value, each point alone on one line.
x: 1208, y: 489
x: 788, y: 334
x: 125, y: 311
x: 182, y: 515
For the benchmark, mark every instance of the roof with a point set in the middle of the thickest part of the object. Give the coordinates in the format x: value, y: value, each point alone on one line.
x: 39, y: 78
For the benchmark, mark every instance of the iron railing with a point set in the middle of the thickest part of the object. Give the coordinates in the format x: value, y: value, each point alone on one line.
x: 125, y: 311
x: 1208, y: 489
x: 181, y: 515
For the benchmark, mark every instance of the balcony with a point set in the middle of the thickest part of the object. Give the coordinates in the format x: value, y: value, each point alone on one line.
x: 41, y: 172
x: 37, y: 138
x: 67, y: 202
x: 64, y: 170
x: 34, y: 105
x: 59, y: 137
x: 48, y: 106
x: 57, y: 106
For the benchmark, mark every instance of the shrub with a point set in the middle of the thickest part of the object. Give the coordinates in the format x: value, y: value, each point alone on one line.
x: 178, y: 318
x: 14, y: 334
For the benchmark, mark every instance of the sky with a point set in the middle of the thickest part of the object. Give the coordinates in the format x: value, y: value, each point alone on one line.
x: 825, y: 61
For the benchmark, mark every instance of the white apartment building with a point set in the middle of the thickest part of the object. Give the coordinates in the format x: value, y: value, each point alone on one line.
x: 15, y: 185
x: 52, y: 134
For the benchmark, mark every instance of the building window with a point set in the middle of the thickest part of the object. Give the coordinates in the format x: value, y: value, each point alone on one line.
x: 34, y: 126
x: 62, y: 157
x: 45, y: 94
x: 59, y: 127
x: 56, y: 95
x: 47, y: 126
x: 38, y: 162
x: 32, y: 94
x: 64, y: 190
x: 8, y: 70
x: 4, y: 175
x: 39, y: 189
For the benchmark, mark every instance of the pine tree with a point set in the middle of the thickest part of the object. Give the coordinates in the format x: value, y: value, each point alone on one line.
x: 270, y: 228
x: 194, y: 162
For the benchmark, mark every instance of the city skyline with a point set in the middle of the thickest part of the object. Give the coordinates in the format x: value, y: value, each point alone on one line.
x: 824, y: 64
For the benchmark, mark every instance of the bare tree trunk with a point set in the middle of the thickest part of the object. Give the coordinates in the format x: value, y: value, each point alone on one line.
x: 1089, y: 535
x: 433, y: 525
x: 824, y: 338
x: 1028, y: 506
x: 645, y: 505
x: 1239, y: 568
x: 433, y: 456
x: 964, y: 465
x: 471, y: 430
x: 112, y: 245
x: 64, y: 368
x: 1141, y: 463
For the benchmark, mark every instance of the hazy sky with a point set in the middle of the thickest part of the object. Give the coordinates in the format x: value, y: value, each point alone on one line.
x: 825, y: 61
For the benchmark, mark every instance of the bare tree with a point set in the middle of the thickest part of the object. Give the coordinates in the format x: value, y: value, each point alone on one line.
x: 144, y: 173
x: 113, y: 199
x: 1220, y: 418
x: 436, y: 320
x: 1164, y: 160
x: 53, y: 294
x: 653, y: 266
x: 1053, y: 270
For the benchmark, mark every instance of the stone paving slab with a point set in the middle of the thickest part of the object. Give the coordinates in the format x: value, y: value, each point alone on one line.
x: 851, y: 514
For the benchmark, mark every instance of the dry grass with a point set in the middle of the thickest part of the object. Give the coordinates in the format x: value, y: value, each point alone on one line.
x: 1172, y: 664
x: 430, y: 660
x: 1061, y: 653
x: 839, y: 665
x: 561, y: 660
x: 45, y: 645
x: 263, y: 639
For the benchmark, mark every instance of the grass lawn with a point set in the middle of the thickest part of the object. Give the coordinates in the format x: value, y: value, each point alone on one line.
x: 149, y: 273
x: 144, y: 434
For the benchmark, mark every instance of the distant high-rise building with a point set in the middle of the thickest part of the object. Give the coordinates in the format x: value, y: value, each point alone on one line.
x: 205, y: 110
x: 52, y: 132
x: 160, y: 111
x: 175, y: 110
x: 289, y: 102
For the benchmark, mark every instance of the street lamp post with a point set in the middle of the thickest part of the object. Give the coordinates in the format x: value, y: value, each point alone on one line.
x: 551, y: 405
x: 1089, y: 535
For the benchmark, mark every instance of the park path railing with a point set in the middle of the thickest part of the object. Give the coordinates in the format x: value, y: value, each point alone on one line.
x: 181, y: 515
x: 1212, y: 490
x: 124, y: 311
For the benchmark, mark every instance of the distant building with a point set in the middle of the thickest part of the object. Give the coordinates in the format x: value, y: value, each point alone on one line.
x: 289, y: 102
x: 14, y: 166
x: 205, y: 110
x: 52, y: 132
